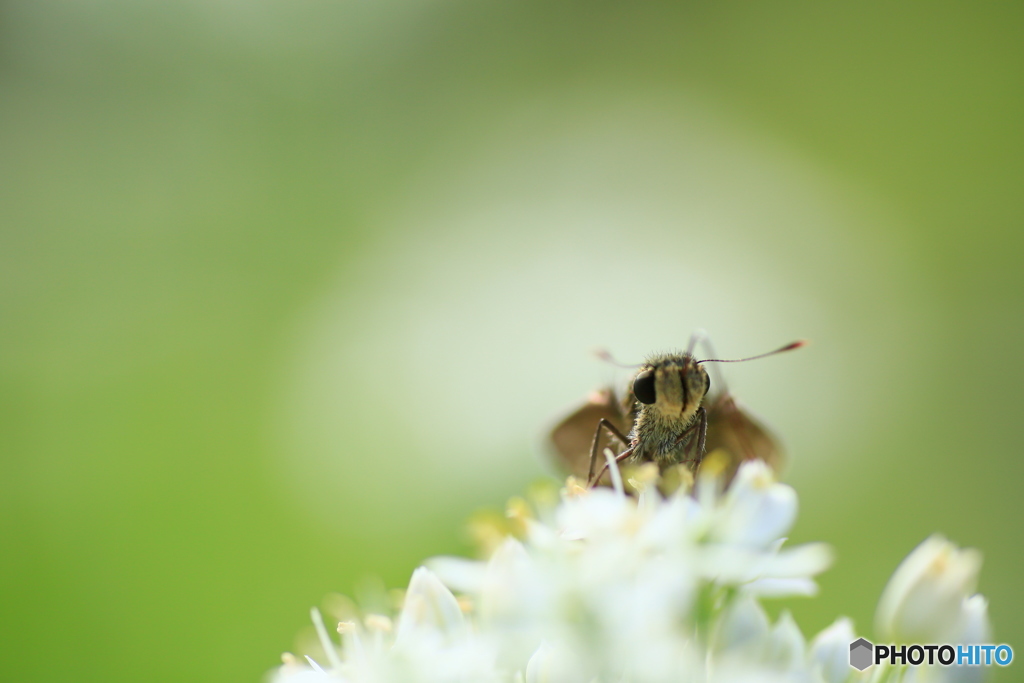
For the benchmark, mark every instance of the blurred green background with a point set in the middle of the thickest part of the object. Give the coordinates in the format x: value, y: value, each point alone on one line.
x: 288, y: 289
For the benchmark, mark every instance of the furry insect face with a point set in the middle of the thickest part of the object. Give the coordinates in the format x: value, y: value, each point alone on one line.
x: 670, y: 423
x: 672, y: 386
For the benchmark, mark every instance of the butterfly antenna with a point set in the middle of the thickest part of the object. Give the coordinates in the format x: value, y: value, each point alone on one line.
x: 607, y: 357
x: 787, y: 347
x: 699, y: 336
x: 719, y: 378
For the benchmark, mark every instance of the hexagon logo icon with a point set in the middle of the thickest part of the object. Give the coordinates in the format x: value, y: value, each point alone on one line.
x: 860, y: 654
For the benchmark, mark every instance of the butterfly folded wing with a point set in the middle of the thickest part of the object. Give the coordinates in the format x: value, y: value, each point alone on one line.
x: 572, y: 438
x: 733, y: 430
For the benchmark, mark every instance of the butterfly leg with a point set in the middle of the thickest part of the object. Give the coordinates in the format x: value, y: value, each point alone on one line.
x: 618, y: 458
x: 614, y: 431
x: 694, y: 450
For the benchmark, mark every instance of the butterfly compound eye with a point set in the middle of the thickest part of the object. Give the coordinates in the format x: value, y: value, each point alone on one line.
x: 707, y: 384
x: 643, y: 387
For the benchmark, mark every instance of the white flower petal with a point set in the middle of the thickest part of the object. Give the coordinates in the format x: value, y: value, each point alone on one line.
x: 756, y: 510
x: 551, y: 664
x: 809, y: 559
x: 788, y: 648
x: 295, y: 674
x: 743, y: 623
x: 923, y: 601
x: 831, y: 650
x: 782, y: 588
x: 429, y: 610
x: 458, y: 573
x: 975, y: 626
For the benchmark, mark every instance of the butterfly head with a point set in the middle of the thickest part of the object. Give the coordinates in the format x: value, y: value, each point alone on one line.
x: 672, y: 385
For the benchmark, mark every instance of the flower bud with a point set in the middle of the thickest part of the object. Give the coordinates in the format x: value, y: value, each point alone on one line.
x: 924, y: 601
x: 831, y: 650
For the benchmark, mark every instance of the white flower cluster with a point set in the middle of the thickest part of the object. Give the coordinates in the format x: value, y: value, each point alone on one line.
x: 605, y: 587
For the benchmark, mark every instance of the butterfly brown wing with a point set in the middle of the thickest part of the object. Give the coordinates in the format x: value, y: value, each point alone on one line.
x: 733, y: 430
x: 571, y: 439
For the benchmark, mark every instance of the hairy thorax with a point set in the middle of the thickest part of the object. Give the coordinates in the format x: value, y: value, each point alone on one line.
x: 663, y: 436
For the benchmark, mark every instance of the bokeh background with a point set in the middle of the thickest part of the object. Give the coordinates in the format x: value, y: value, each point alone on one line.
x: 289, y: 289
